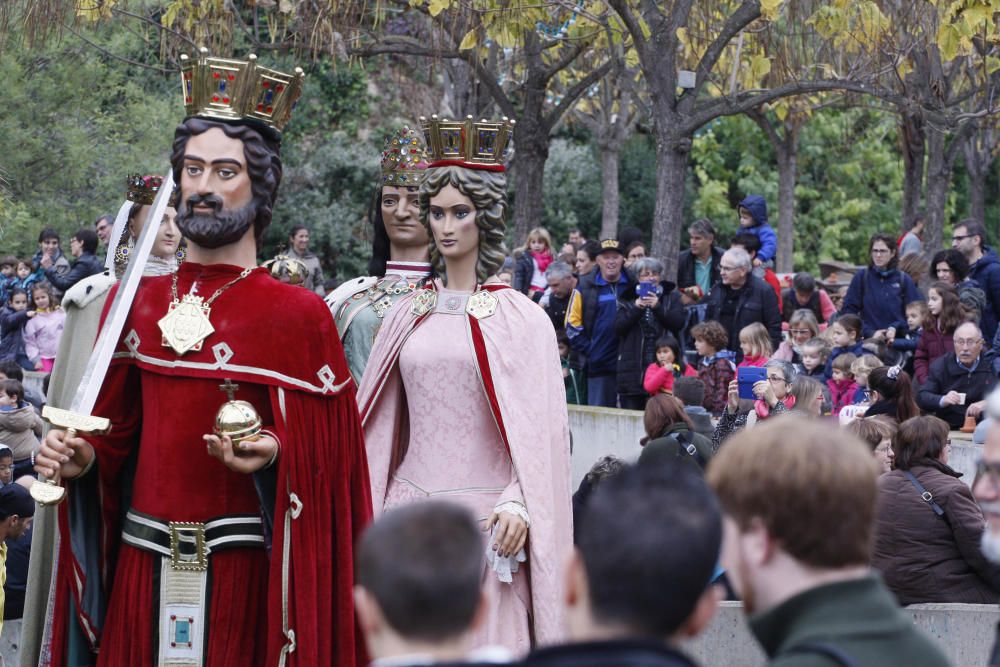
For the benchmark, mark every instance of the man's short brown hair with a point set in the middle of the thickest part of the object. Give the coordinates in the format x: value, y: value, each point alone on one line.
x: 812, y: 486
x: 711, y: 332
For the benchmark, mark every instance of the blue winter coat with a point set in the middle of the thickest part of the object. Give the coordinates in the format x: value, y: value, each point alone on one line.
x: 857, y: 350
x: 12, y: 335
x: 880, y: 301
x: 757, y: 206
x: 986, y: 272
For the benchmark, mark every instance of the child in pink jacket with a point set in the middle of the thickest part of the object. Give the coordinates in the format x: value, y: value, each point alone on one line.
x: 43, y: 331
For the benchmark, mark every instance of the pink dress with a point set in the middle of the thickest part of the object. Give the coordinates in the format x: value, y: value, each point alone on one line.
x: 459, y: 446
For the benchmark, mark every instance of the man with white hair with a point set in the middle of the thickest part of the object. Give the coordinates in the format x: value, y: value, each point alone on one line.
x: 986, y: 489
x: 740, y: 298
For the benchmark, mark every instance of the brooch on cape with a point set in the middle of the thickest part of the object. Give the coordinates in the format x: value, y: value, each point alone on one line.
x: 423, y: 302
x: 482, y: 304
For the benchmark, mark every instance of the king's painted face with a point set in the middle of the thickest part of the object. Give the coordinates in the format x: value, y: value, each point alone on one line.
x: 401, y: 216
x: 216, y: 206
x: 453, y: 223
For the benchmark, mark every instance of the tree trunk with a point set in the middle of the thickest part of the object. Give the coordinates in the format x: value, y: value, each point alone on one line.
x: 912, y: 138
x: 978, y: 149
x: 939, y: 169
x: 977, y: 194
x: 788, y: 157
x: 532, y: 150
x: 610, y: 157
x: 668, y: 215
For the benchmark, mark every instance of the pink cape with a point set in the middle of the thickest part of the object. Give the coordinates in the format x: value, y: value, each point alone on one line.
x: 522, y: 380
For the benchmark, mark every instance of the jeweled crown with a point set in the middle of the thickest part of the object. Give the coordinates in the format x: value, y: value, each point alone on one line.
x: 467, y: 143
x: 142, y: 189
x: 239, y: 90
x: 403, y: 158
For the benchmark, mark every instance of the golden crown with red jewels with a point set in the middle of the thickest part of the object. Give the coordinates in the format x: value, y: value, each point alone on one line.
x: 467, y: 143
x: 239, y: 90
x: 142, y: 190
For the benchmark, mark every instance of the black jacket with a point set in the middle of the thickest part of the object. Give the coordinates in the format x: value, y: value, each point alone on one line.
x: 639, y: 328
x: 524, y: 269
x: 621, y: 653
x: 946, y: 375
x: 756, y: 302
x: 685, y: 268
x: 86, y: 265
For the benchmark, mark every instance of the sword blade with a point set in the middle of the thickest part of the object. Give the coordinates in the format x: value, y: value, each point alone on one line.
x: 116, y: 234
x: 107, y: 340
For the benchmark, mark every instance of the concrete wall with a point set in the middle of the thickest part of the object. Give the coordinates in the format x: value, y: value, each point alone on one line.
x: 965, y: 633
x: 601, y: 431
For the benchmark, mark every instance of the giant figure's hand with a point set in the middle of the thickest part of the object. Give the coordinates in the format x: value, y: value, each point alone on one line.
x: 246, y: 457
x: 511, y: 533
x: 66, y: 456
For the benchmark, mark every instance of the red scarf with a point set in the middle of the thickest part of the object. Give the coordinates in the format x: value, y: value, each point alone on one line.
x: 543, y: 259
x: 764, y: 410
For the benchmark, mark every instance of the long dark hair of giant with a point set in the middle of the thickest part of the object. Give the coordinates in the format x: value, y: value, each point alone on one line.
x: 380, y: 237
x: 263, y: 155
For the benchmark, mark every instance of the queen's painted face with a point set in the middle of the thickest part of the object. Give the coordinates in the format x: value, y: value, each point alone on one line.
x: 453, y: 223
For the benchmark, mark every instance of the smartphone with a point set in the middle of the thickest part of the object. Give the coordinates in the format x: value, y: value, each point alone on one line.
x: 646, y: 289
x: 747, y: 377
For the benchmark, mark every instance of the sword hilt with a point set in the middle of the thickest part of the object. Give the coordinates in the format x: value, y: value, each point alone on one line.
x: 74, y: 423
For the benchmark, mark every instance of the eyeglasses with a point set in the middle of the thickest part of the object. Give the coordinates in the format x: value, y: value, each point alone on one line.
x: 959, y: 238
x: 727, y: 269
x: 775, y: 378
x: 967, y: 342
x: 883, y: 449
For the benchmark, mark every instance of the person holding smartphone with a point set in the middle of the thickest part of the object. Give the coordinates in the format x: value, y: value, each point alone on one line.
x: 771, y: 397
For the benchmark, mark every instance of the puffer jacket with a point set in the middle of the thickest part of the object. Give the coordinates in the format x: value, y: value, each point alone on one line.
x: 20, y: 429
x: 924, y: 557
x: 931, y: 346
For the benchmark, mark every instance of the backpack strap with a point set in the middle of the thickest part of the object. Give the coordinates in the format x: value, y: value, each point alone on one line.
x: 686, y: 442
x: 827, y: 650
x: 925, y: 495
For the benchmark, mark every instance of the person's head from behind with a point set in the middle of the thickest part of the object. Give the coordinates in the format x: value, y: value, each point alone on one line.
x: 878, y: 435
x: 690, y: 391
x: 755, y: 341
x: 418, y: 587
x: 863, y: 366
x: 16, y: 511
x: 709, y: 337
x: 668, y: 352
x: 6, y: 465
x: 949, y: 266
x: 627, y: 557
x: 18, y: 299
x: 808, y: 394
x: 893, y: 384
x: 662, y: 412
x: 920, y: 439
x: 814, y: 353
x: 846, y: 331
x: 11, y: 393
x: 11, y: 370
x: 841, y: 368
x: 749, y: 242
x: 777, y: 484
x: 802, y: 327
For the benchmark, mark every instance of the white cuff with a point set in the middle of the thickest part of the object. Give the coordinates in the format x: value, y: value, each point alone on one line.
x: 516, y: 508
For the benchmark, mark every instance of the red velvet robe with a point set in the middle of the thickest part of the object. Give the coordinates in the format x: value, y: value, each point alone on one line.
x: 279, y: 343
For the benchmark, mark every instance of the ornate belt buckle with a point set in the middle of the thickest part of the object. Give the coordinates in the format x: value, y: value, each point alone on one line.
x: 188, y: 549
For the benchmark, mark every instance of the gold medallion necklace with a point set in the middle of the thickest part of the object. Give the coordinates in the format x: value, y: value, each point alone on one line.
x: 186, y: 324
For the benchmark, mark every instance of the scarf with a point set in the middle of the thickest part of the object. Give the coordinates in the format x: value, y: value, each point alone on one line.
x: 543, y: 259
x: 762, y: 409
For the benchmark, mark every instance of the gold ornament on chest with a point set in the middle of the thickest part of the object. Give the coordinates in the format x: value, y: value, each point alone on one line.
x: 187, y: 323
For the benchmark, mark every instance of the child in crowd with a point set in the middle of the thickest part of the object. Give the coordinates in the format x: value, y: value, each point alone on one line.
x: 8, y: 274
x: 892, y: 394
x: 669, y: 366
x: 755, y: 343
x: 862, y: 367
x: 717, y: 365
x: 815, y: 352
x: 530, y: 263
x: 13, y: 317
x: 802, y: 327
x: 916, y: 313
x: 753, y: 220
x: 944, y: 315
x: 845, y: 335
x: 43, y: 331
x: 505, y: 276
x: 26, y: 276
x: 573, y: 378
x: 842, y: 385
x: 20, y: 426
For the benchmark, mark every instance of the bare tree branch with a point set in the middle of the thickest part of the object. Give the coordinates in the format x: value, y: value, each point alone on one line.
x: 574, y: 93
x: 129, y: 61
x: 748, y: 12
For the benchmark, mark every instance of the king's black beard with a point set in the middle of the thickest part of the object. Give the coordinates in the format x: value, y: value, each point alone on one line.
x: 217, y: 229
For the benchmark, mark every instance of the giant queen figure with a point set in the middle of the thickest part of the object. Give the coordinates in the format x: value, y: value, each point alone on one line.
x: 181, y: 546
x: 463, y: 398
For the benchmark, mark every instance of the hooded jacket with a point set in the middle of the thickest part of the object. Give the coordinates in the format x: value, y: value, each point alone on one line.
x: 20, y: 429
x: 986, y: 272
x: 880, y: 299
x: 757, y: 206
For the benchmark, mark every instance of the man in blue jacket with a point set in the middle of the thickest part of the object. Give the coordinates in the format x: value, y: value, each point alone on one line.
x: 969, y: 238
x: 753, y: 220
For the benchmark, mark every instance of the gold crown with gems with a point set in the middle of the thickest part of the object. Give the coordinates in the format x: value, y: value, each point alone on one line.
x: 403, y: 158
x: 233, y: 90
x: 142, y: 190
x: 467, y: 143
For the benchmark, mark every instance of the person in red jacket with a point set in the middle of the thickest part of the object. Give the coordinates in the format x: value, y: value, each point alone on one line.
x: 669, y: 365
x: 944, y: 315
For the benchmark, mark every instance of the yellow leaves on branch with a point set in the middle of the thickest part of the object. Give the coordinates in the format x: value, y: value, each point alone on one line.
x: 770, y: 9
x: 961, y: 20
x: 851, y: 25
x: 94, y: 10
